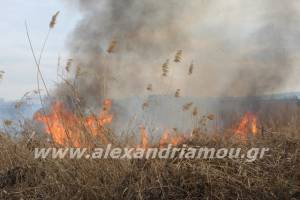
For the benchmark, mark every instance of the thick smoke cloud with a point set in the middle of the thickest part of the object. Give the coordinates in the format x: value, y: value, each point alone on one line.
x: 239, y: 48
x: 268, y: 65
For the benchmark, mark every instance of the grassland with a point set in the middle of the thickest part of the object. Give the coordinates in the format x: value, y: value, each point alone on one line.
x: 276, y: 176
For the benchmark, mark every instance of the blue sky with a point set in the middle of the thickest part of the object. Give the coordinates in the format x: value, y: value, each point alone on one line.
x: 15, y: 56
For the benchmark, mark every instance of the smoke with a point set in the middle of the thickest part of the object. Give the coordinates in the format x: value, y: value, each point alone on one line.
x: 239, y: 48
x: 267, y: 65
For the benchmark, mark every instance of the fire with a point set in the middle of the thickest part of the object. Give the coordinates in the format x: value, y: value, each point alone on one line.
x: 65, y: 127
x: 248, y: 124
x: 177, y: 139
x: 166, y: 138
x: 144, y: 138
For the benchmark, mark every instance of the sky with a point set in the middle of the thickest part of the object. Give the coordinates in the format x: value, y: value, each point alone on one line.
x: 230, y: 20
x: 15, y: 55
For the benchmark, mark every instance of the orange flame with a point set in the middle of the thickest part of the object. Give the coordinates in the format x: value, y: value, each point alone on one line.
x: 247, y: 124
x: 144, y: 138
x: 177, y: 140
x: 166, y: 139
x: 66, y: 128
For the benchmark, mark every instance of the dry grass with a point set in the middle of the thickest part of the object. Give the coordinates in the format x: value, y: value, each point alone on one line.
x: 274, y: 177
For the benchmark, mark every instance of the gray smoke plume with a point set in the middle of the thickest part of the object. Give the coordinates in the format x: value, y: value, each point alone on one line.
x: 268, y: 65
x: 239, y: 48
x: 146, y: 34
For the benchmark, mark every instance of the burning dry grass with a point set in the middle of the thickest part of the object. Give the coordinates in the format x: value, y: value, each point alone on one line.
x: 22, y: 177
x: 64, y: 127
x: 273, y: 177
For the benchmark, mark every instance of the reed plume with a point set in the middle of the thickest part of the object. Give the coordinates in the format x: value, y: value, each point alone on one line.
x: 191, y: 68
x: 2, y: 74
x: 53, y: 20
x: 177, y: 93
x: 187, y: 106
x: 7, y: 123
x: 69, y: 64
x: 78, y: 72
x: 178, y: 56
x: 145, y: 105
x: 195, y: 111
x: 210, y: 116
x: 112, y: 46
x: 149, y: 87
x: 165, y: 68
x: 25, y: 98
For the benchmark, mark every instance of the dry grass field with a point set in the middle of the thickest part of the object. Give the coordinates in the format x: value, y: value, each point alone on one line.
x: 275, y: 125
x: 276, y: 176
